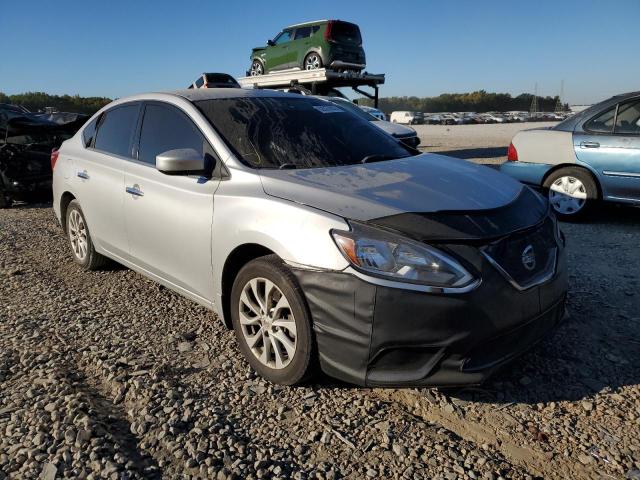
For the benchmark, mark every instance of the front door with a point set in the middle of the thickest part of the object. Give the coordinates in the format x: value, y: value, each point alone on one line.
x: 280, y: 55
x: 169, y: 217
x: 610, y: 144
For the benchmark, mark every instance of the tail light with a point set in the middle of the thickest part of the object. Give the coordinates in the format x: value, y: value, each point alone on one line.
x: 327, y: 31
x: 512, y: 153
x: 54, y: 157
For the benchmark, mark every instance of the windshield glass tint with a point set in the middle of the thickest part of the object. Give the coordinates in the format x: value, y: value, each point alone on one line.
x: 353, y: 108
x: 271, y: 132
x: 344, y: 32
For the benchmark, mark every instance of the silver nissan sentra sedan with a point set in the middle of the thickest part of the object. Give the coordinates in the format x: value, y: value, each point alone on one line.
x: 317, y: 237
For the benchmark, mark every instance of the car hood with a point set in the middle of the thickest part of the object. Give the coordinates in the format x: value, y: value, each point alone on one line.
x: 422, y: 183
x: 428, y: 197
x: 258, y: 49
x: 394, y: 128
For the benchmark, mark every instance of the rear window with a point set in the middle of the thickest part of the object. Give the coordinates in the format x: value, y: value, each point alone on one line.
x: 344, y: 32
x: 89, y: 132
x: 303, y: 132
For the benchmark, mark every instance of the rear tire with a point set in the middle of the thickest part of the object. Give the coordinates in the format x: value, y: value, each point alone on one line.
x: 82, y: 249
x: 572, y: 192
x: 313, y: 61
x: 271, y: 321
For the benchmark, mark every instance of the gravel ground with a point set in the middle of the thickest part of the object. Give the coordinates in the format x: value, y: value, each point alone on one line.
x: 108, y: 375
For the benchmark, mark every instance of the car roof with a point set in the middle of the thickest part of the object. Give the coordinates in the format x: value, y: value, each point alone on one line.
x: 304, y: 24
x: 198, y: 94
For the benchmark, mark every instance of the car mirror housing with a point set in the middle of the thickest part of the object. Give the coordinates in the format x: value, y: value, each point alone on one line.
x: 180, y: 160
x: 271, y: 43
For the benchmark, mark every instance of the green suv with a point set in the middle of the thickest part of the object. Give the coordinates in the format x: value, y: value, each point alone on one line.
x: 325, y: 43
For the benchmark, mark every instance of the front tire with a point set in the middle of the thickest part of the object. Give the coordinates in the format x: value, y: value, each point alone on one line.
x: 312, y: 61
x: 271, y: 321
x: 82, y: 249
x: 257, y: 68
x: 571, y: 191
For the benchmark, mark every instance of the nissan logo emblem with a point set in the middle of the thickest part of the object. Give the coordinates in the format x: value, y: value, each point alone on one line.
x: 529, y: 258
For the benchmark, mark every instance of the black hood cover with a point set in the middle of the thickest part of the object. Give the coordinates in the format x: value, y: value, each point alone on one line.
x: 526, y: 210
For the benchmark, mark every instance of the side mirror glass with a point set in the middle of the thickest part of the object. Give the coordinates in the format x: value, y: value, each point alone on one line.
x: 181, y: 160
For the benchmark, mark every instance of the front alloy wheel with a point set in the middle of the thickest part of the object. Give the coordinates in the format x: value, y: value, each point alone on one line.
x: 267, y: 323
x: 271, y: 321
x: 256, y: 68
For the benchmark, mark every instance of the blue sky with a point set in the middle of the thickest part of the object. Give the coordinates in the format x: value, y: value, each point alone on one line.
x: 116, y: 48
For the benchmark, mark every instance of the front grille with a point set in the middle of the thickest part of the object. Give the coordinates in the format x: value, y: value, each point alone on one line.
x: 526, y: 259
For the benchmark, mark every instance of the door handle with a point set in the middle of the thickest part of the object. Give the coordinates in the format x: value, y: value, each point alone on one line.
x: 589, y: 144
x: 135, y: 190
x: 83, y: 175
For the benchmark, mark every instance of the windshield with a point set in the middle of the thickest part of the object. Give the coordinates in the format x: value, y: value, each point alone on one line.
x: 299, y: 132
x: 353, y: 108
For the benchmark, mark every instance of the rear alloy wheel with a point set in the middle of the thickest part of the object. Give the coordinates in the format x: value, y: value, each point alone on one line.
x: 312, y: 61
x: 257, y: 68
x: 82, y: 248
x: 271, y: 321
x: 570, y: 192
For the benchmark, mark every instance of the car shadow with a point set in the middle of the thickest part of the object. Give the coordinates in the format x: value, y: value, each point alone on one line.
x: 468, y: 153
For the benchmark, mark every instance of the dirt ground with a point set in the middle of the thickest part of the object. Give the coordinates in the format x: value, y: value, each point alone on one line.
x: 108, y: 375
x: 479, y: 143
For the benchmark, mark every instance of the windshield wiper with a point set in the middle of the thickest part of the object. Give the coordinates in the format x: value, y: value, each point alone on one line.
x: 377, y: 157
x: 287, y: 166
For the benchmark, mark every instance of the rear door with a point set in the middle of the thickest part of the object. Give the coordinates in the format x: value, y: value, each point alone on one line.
x: 98, y: 177
x: 169, y: 217
x: 301, y: 45
x: 610, y: 144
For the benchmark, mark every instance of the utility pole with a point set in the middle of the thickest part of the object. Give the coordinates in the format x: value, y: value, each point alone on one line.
x: 533, y: 111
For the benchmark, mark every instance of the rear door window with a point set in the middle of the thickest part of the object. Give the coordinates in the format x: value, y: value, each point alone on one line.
x: 116, y: 130
x: 602, y: 123
x: 164, y: 128
x: 302, y: 32
x: 628, y: 118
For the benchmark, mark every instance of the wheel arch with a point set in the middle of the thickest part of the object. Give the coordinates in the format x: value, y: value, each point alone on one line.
x: 65, y: 199
x: 586, y: 169
x: 237, y: 259
x: 313, y: 50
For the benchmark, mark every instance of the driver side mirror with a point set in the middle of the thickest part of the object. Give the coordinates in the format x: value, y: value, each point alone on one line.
x: 181, y: 160
x: 271, y: 43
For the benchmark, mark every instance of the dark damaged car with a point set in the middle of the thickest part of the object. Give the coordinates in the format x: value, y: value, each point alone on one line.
x: 26, y: 144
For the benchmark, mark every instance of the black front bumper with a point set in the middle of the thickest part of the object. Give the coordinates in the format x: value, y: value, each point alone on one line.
x: 372, y: 335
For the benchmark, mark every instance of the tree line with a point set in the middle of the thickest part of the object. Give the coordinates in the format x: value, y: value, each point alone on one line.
x: 35, y: 101
x: 479, y: 101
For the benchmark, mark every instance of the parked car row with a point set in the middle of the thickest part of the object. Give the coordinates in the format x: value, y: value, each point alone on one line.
x: 465, y: 118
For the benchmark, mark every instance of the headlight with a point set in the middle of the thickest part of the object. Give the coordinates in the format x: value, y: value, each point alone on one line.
x: 384, y: 254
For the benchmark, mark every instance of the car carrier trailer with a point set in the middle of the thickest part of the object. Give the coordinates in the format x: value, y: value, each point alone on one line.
x: 319, y: 81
